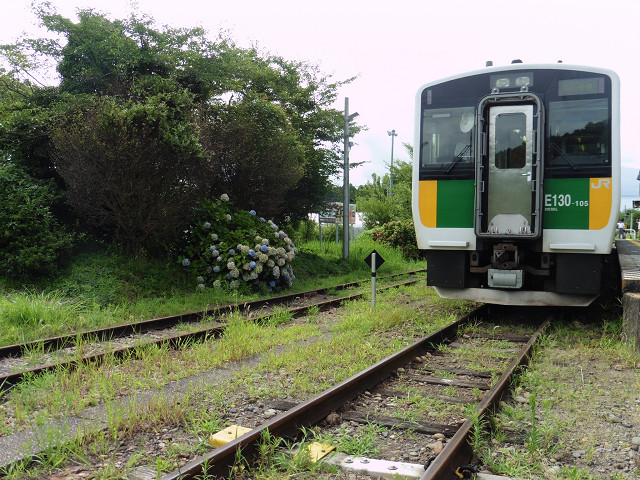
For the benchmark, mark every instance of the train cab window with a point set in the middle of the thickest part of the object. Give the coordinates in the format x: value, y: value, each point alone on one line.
x: 511, y: 140
x: 447, y: 144
x: 579, y: 135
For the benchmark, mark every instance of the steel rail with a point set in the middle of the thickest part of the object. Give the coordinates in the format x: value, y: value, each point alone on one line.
x: 11, y: 379
x: 220, y: 461
x: 457, y: 451
x: 143, y: 326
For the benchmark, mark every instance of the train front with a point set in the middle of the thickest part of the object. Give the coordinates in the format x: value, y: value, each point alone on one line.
x: 516, y: 183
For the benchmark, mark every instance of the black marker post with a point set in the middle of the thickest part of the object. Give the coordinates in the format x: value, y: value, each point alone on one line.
x: 374, y: 260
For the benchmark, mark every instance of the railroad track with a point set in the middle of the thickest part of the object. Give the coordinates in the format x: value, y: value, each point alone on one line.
x: 420, y: 370
x: 31, y: 358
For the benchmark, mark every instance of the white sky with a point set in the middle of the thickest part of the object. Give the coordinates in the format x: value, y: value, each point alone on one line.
x: 394, y: 47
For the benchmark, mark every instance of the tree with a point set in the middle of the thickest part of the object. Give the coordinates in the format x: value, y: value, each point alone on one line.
x: 125, y: 174
x: 135, y: 103
x: 374, y: 201
x: 256, y: 155
x: 31, y: 240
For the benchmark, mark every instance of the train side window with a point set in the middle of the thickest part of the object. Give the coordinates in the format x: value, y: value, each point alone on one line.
x: 447, y: 141
x: 579, y: 133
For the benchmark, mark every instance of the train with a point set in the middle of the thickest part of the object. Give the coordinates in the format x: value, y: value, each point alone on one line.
x: 516, y: 182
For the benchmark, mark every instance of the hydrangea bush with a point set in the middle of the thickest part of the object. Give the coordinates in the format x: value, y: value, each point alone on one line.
x: 400, y: 235
x: 226, y: 247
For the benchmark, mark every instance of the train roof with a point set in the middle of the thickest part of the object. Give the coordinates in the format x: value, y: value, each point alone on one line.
x: 519, y: 66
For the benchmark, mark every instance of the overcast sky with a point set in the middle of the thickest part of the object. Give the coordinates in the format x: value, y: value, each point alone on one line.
x: 394, y: 47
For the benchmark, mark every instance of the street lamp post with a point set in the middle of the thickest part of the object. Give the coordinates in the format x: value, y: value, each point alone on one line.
x: 392, y: 134
x: 345, y: 203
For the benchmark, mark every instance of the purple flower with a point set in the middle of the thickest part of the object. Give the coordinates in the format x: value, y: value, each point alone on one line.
x: 252, y: 212
x: 262, y: 219
x: 232, y: 251
x: 264, y: 249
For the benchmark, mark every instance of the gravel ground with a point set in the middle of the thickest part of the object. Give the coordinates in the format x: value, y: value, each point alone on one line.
x: 587, y: 402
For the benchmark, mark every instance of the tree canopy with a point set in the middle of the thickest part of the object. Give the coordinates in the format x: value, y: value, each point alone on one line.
x: 147, y: 121
x: 379, y: 204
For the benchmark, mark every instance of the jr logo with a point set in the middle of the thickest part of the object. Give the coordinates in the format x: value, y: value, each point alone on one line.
x: 602, y: 182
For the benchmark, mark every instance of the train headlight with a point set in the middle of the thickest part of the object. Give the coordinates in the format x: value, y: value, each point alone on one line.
x: 502, y: 82
x: 523, y: 81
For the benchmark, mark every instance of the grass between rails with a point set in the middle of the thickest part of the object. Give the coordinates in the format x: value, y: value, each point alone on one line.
x: 312, y: 356
x: 583, y: 381
x: 99, y: 289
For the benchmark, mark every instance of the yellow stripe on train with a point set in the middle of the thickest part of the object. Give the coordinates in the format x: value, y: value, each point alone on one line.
x: 428, y: 202
x: 600, y: 198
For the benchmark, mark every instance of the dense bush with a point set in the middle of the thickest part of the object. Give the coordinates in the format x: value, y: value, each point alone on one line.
x: 227, y: 247
x: 31, y: 240
x: 400, y: 235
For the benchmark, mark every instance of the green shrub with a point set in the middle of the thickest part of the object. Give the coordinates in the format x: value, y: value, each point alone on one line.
x: 230, y: 247
x: 31, y: 239
x: 400, y: 235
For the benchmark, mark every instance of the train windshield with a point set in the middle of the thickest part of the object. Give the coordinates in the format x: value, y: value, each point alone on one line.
x: 579, y: 134
x: 448, y: 140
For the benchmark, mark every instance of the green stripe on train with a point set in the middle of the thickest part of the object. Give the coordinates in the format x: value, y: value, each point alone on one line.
x: 565, y: 203
x: 455, y: 204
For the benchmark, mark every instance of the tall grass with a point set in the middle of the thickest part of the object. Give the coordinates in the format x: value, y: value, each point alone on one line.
x: 22, y: 313
x: 100, y: 289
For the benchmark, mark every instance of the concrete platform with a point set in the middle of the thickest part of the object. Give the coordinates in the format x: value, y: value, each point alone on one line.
x: 629, y: 259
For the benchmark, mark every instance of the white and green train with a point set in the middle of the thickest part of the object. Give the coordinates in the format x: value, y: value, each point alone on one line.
x: 516, y: 182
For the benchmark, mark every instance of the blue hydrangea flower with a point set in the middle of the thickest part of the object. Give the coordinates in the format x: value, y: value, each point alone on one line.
x: 272, y: 283
x: 252, y: 264
x: 206, y: 225
x: 252, y: 212
x: 252, y: 252
x: 201, y: 287
x: 216, y: 269
x: 212, y: 248
x: 232, y: 251
x: 228, y: 276
x: 264, y: 249
x: 186, y: 262
x: 262, y: 219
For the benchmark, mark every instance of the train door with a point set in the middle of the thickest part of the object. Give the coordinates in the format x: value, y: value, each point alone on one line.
x: 508, y: 173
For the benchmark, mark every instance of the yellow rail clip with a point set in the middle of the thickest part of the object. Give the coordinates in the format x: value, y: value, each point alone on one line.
x: 318, y: 450
x: 227, y: 435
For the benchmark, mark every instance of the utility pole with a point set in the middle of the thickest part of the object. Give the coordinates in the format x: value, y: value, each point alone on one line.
x: 392, y: 134
x: 345, y: 204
